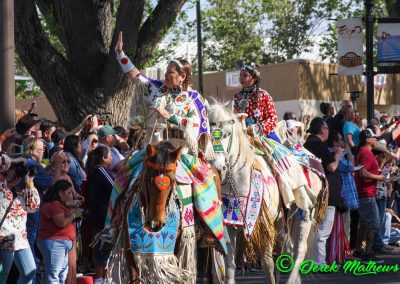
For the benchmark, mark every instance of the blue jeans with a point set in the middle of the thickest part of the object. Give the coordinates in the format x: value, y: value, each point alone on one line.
x: 381, y: 203
x: 23, y: 260
x: 369, y: 215
x: 391, y: 235
x: 55, y: 254
x: 32, y: 229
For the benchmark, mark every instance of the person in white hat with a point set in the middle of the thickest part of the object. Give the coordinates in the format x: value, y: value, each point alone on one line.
x: 293, y: 126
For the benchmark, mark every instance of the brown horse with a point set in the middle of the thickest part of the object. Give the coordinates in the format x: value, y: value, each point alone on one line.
x: 159, y: 178
x: 143, y: 211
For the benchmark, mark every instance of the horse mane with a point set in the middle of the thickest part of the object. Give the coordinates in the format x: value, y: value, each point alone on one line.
x: 163, y: 150
x: 218, y: 113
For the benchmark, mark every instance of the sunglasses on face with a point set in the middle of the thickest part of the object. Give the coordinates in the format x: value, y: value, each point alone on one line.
x: 94, y: 141
x: 65, y: 162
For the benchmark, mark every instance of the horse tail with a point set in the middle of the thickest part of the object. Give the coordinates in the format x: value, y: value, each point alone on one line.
x: 322, y: 203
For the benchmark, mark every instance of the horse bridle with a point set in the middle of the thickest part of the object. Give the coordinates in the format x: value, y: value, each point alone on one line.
x: 162, y: 182
x: 157, y: 167
x: 229, y: 173
x: 222, y: 124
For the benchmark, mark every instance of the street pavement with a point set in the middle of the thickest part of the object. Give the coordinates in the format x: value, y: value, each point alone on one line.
x: 328, y: 278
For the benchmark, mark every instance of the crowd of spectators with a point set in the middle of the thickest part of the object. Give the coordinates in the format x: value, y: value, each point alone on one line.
x: 74, y: 174
x: 360, y: 160
x: 63, y: 202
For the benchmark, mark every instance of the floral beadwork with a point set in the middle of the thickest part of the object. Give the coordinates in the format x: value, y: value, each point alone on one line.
x: 259, y: 107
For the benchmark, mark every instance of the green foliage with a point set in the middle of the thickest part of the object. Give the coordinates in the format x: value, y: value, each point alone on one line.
x: 24, y: 89
x: 181, y: 30
x: 51, y: 28
x: 265, y: 31
x: 294, y: 24
x: 233, y: 29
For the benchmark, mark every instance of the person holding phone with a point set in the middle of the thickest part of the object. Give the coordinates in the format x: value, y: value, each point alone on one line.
x: 57, y: 231
x: 59, y: 169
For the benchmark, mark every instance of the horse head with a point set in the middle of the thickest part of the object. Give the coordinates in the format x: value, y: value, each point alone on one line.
x: 159, y: 178
x: 228, y: 136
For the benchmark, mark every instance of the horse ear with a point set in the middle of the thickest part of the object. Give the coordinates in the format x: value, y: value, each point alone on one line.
x: 228, y: 106
x: 150, y: 151
x: 176, y: 154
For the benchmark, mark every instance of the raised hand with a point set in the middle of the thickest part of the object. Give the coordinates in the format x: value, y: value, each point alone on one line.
x: 120, y: 43
x: 9, y: 133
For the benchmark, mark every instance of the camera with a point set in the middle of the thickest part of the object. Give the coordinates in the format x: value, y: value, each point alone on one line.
x: 17, y: 149
x: 21, y: 170
x: 354, y: 95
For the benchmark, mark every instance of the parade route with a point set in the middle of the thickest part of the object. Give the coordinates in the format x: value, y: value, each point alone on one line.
x: 339, y: 277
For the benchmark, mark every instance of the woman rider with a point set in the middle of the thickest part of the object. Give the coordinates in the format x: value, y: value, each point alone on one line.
x: 256, y: 103
x: 261, y: 119
x: 181, y: 116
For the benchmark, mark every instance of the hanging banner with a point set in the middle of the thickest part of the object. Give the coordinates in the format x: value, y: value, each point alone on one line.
x: 388, y: 46
x: 232, y: 80
x: 350, y: 47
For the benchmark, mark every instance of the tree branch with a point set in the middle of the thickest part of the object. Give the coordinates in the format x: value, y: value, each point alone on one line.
x: 46, y: 8
x: 155, y: 28
x: 43, y: 61
x: 129, y: 18
x: 87, y: 26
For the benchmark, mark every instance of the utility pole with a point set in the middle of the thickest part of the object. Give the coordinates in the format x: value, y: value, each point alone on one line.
x: 369, y: 56
x: 7, y: 83
x: 199, y: 47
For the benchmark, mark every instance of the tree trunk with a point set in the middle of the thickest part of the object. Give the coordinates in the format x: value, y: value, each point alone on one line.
x: 87, y: 79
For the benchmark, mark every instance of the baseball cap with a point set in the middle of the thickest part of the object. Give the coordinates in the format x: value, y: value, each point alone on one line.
x: 367, y: 133
x: 292, y: 124
x: 105, y: 131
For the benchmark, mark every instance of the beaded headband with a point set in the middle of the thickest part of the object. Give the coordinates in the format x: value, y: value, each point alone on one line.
x: 177, y: 62
x: 252, y: 69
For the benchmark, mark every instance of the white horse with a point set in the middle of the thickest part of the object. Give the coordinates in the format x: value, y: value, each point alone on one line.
x: 236, y: 164
x: 301, y: 232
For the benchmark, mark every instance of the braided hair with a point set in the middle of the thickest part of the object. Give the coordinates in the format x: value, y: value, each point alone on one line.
x: 254, y: 71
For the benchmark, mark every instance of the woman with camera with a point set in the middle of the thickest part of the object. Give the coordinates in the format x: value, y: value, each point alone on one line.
x: 57, y: 231
x: 14, y: 206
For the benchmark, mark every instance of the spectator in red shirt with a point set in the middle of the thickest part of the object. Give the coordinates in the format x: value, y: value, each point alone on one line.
x: 366, y: 181
x: 57, y: 231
